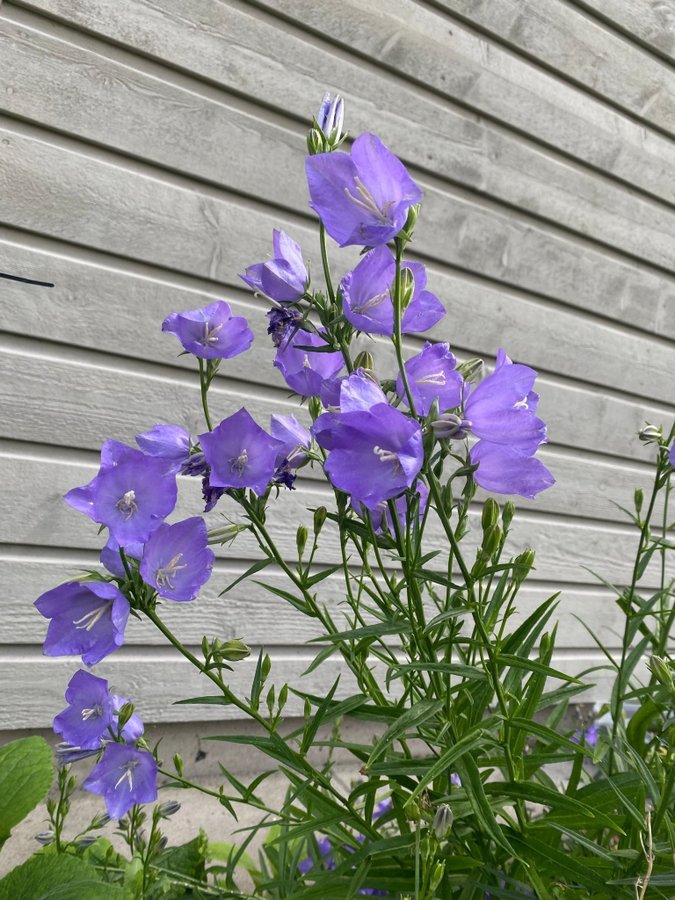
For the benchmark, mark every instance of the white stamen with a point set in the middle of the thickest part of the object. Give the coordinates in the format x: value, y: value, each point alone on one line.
x: 521, y: 404
x: 90, y: 619
x: 93, y: 712
x: 367, y: 202
x: 238, y: 463
x: 432, y: 378
x: 164, y: 575
x: 126, y: 774
x: 369, y: 304
x: 127, y: 504
x: 388, y: 456
x: 210, y: 334
x: 306, y: 363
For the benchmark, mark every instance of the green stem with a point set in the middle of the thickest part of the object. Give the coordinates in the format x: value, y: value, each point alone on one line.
x: 326, y: 264
x: 203, y: 384
x: 397, y: 336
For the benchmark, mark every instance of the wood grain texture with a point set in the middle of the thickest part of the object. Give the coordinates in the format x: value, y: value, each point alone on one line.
x: 581, y: 50
x: 107, y: 96
x: 650, y: 22
x: 222, y: 41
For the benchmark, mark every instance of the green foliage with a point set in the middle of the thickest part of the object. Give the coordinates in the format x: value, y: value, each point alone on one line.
x: 26, y: 774
x: 48, y: 876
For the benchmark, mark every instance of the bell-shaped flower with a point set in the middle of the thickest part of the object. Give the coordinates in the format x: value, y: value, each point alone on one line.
x: 283, y: 278
x: 211, y: 332
x: 362, y: 197
x: 131, y: 494
x: 240, y: 453
x: 124, y: 776
x: 169, y: 442
x: 505, y: 469
x: 367, y: 296
x: 88, y: 619
x: 177, y: 560
x: 432, y: 376
x: 294, y: 437
x: 375, y: 451
x: 89, y: 713
x: 305, y: 370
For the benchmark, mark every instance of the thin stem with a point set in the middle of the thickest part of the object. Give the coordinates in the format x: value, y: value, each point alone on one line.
x: 326, y: 264
x: 203, y: 384
x: 397, y: 336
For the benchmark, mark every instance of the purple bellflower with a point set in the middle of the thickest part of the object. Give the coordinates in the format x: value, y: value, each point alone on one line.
x: 303, y: 370
x: 88, y: 618
x: 111, y: 559
x: 375, y: 450
x: 508, y: 470
x: 169, y: 442
x: 296, y: 441
x: 177, y: 560
x: 124, y: 776
x: 432, y: 376
x: 89, y: 713
x: 131, y: 494
x: 362, y: 197
x: 283, y: 278
x: 211, y: 332
x: 281, y: 322
x: 240, y: 453
x: 367, y: 296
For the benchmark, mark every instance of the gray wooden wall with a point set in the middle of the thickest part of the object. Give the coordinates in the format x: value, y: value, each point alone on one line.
x: 148, y: 148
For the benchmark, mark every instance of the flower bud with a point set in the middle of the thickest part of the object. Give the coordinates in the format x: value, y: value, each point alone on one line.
x: 301, y: 539
x: 412, y: 811
x: 651, y: 434
x: 449, y: 426
x: 364, y: 360
x: 100, y: 820
x: 86, y: 841
x: 314, y: 142
x: 491, y: 541
x: 522, y: 565
x: 162, y: 842
x: 662, y: 671
x: 283, y: 697
x: 407, y: 287
x: 470, y: 369
x: 330, y: 117
x: 508, y: 513
x: 169, y: 808
x: 442, y: 821
x: 45, y: 838
x: 638, y: 499
x: 178, y: 764
x: 125, y: 712
x: 436, y: 876
x: 320, y: 514
x: 413, y: 214
x: 490, y: 514
x: 234, y: 650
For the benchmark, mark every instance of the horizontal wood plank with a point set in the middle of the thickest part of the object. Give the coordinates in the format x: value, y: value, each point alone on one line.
x: 652, y: 22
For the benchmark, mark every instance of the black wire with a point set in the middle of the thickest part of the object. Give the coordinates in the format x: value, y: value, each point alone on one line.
x: 26, y: 280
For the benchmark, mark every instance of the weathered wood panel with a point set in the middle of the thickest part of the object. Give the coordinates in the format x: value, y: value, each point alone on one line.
x: 650, y: 22
x: 560, y: 37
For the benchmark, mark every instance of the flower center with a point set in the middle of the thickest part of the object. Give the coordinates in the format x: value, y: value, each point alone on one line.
x: 90, y: 619
x: 127, y: 504
x: 238, y: 463
x: 521, y: 404
x: 366, y: 201
x: 210, y: 334
x: 388, y: 456
x: 126, y: 775
x: 369, y: 304
x: 306, y: 363
x: 164, y: 576
x: 93, y: 712
x: 432, y: 378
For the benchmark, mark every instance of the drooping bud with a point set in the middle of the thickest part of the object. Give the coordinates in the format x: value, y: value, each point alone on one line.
x: 651, y: 434
x: 45, y: 838
x: 169, y: 808
x: 449, y: 426
x: 442, y: 821
x: 234, y: 650
x: 86, y: 841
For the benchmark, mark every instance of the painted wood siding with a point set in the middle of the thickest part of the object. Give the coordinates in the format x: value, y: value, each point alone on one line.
x: 148, y: 148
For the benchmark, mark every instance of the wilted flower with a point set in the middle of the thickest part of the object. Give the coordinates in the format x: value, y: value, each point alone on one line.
x: 304, y: 370
x: 88, y: 618
x: 89, y: 713
x: 283, y: 278
x: 211, y: 332
x: 432, y: 376
x: 362, y: 198
x: 124, y: 776
x: 177, y: 560
x: 131, y: 494
x: 211, y: 495
x: 240, y: 453
x: 282, y: 322
x: 66, y: 753
x: 367, y: 296
x: 375, y: 450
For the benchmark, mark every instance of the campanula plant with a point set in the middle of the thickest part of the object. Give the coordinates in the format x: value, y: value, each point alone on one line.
x: 454, y: 796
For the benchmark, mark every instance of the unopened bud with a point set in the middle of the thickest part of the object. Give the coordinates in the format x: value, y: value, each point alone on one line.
x: 99, y: 820
x: 508, y: 513
x: 86, y: 841
x: 364, y: 360
x: 490, y: 514
x: 449, y: 426
x: 470, y: 369
x: 283, y: 697
x: 314, y: 142
x: 168, y: 808
x: 411, y: 222
x: 437, y: 876
x: 662, y: 671
x: 234, y: 650
x: 45, y: 838
x: 320, y: 514
x: 271, y: 696
x: 266, y: 666
x: 523, y: 564
x: 124, y: 713
x: 442, y: 821
x: 412, y: 811
x: 178, y: 764
x: 330, y: 119
x: 301, y: 539
x: 491, y: 541
x: 407, y: 287
x: 638, y: 499
x: 162, y: 842
x: 651, y: 434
